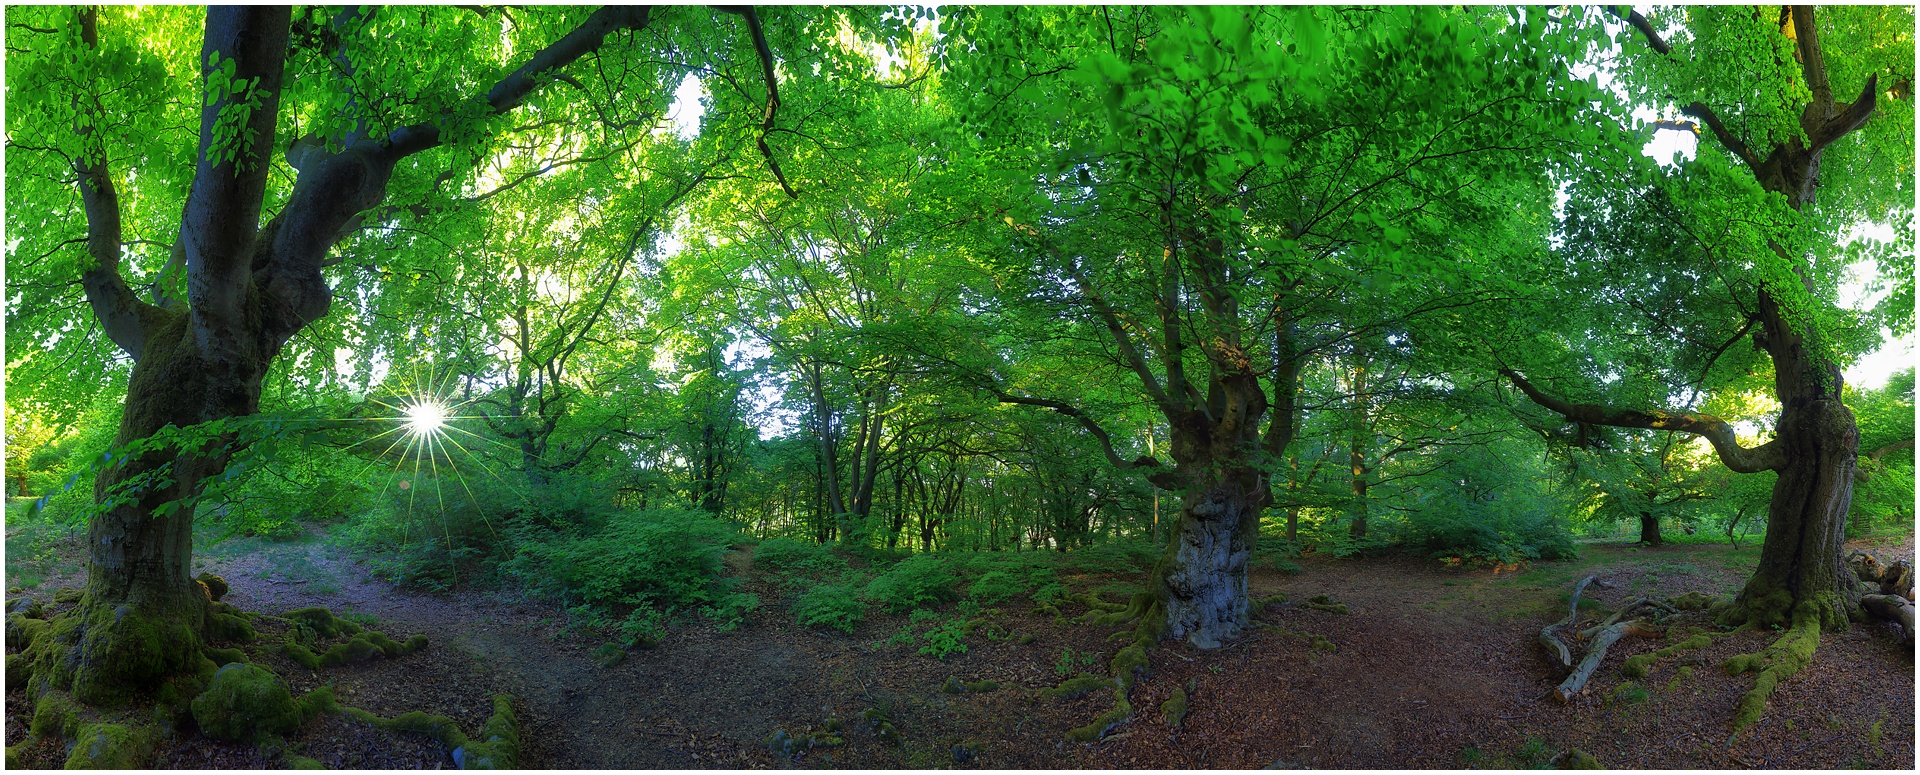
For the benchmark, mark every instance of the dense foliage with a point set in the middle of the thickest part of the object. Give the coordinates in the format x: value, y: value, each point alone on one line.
x: 929, y: 317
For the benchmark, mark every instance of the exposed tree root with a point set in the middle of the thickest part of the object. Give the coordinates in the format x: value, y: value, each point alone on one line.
x: 1793, y: 651
x: 1639, y: 666
x: 1126, y: 666
x: 1893, y: 608
x: 1556, y: 649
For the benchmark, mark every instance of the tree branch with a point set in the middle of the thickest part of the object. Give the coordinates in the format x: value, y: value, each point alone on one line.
x: 230, y: 177
x: 1766, y: 457
x: 1726, y: 137
x: 121, y: 313
x: 1638, y: 22
x: 1813, y: 66
x: 773, y: 89
x: 1099, y: 433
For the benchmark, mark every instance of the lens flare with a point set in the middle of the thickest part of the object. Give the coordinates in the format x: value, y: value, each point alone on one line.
x: 425, y: 418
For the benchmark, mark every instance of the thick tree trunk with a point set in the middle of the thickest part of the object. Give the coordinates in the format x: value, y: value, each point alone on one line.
x: 140, y: 619
x: 1203, y: 573
x: 1650, y: 529
x: 1802, y: 567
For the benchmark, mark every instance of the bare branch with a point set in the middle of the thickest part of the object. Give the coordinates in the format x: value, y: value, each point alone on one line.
x: 1766, y: 457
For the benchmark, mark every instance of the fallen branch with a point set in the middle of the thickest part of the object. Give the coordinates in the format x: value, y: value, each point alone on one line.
x: 1597, y: 653
x: 1893, y: 608
x: 1555, y: 648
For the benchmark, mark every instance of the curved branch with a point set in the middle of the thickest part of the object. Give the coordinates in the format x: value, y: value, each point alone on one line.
x: 1099, y: 433
x: 773, y: 89
x: 121, y: 313
x: 1726, y: 137
x: 1746, y: 460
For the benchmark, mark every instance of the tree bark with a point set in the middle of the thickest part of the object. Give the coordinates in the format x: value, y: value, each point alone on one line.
x: 1650, y: 529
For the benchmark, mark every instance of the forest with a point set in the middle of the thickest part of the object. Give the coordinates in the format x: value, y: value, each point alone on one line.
x: 1005, y: 387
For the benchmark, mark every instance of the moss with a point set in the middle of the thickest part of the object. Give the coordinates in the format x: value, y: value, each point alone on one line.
x: 609, y: 655
x: 1692, y: 601
x: 22, y: 629
x: 1174, y: 710
x: 1127, y: 664
x: 1576, y: 759
x: 215, y: 586
x: 106, y: 654
x: 1325, y: 603
x: 319, y: 624
x: 981, y: 687
x: 1793, y: 651
x: 1117, y: 715
x: 229, y: 627
x: 499, y: 740
x: 361, y: 647
x: 110, y: 747
x: 1026, y: 638
x: 953, y: 686
x: 1136, y: 607
x: 56, y: 714
x: 1078, y: 686
x: 19, y: 670
x: 14, y: 761
x: 297, y: 762
x: 1638, y: 666
x: 1273, y: 599
x: 244, y: 703
x: 67, y: 596
x: 225, y: 656
x: 1323, y: 644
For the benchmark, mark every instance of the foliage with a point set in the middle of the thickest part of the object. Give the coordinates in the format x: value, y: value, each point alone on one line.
x: 787, y: 555
x: 667, y: 558
x: 830, y: 605
x: 912, y: 583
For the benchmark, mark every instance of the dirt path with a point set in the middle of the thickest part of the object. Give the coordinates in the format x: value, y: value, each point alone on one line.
x: 1433, y: 668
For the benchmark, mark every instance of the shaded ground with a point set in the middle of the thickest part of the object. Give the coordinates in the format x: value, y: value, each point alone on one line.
x: 1433, y: 669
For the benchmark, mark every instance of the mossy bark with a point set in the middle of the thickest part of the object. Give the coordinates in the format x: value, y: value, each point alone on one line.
x: 1650, y: 529
x: 1802, y: 563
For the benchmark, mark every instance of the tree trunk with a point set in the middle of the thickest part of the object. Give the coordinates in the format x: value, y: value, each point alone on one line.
x: 1802, y: 566
x: 1650, y: 529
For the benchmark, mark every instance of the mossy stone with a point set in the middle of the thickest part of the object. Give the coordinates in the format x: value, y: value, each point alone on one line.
x: 245, y: 702
x: 110, y: 747
x: 609, y: 654
x: 55, y: 714
x: 216, y: 587
x: 225, y: 657
x: 953, y: 686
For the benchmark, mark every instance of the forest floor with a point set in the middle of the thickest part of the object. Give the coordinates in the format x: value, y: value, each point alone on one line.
x: 1434, y: 668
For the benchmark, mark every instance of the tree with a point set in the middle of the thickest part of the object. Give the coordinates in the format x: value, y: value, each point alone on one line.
x: 234, y: 290
x: 1763, y: 245
x: 1197, y: 179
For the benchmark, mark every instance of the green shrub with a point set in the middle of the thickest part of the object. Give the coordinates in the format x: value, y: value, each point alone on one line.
x: 731, y: 609
x: 663, y: 557
x: 786, y: 555
x: 1124, y: 556
x: 830, y: 605
x: 915, y: 582
x: 946, y: 639
x: 996, y: 577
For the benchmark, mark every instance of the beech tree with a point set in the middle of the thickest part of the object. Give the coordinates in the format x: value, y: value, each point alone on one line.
x: 1200, y: 178
x: 304, y: 127
x: 1758, y: 222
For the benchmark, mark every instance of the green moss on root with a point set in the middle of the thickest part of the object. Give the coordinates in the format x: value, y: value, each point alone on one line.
x: 1638, y: 666
x: 319, y: 624
x: 981, y: 687
x: 1793, y: 651
x: 361, y: 647
x: 1174, y: 710
x: 56, y: 714
x: 1117, y: 715
x: 496, y: 747
x: 216, y: 586
x: 1325, y: 603
x: 1127, y: 664
x: 1078, y: 686
x: 104, y: 655
x: 224, y: 657
x: 244, y: 703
